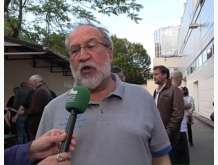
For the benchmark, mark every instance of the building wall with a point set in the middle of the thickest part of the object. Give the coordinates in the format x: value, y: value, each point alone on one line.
x: 192, y: 41
x: 173, y: 62
x: 201, y: 87
x: 20, y: 70
x: 197, y: 47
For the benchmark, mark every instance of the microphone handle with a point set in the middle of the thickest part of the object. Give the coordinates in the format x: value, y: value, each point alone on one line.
x: 69, y: 130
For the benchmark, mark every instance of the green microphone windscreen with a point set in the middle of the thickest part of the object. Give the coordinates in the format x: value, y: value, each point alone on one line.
x: 80, y: 99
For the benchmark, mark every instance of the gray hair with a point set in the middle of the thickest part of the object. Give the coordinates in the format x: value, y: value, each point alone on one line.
x: 36, y: 77
x: 177, y: 74
x: 104, y: 33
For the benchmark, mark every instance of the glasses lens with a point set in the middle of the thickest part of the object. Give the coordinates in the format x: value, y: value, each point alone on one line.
x: 75, y: 49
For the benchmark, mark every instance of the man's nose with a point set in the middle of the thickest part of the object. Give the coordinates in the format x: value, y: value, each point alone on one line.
x: 84, y: 54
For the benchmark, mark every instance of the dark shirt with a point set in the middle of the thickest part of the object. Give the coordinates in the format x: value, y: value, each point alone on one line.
x: 17, y: 155
x: 22, y: 96
x: 40, y: 98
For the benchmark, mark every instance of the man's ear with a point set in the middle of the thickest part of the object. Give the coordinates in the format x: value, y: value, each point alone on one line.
x: 110, y: 54
x: 165, y: 76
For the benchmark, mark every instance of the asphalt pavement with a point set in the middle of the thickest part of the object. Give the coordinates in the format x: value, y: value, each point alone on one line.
x: 202, y: 153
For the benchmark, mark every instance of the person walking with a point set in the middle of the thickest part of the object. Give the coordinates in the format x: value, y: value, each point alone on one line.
x: 170, y: 103
x: 189, y: 109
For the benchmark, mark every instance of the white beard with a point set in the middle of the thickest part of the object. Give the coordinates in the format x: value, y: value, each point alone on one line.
x: 91, y: 81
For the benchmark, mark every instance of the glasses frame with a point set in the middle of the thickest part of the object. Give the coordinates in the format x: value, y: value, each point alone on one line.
x: 88, y: 47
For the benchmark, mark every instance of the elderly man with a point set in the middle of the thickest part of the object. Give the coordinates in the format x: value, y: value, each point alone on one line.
x: 182, y: 145
x: 121, y: 124
x: 169, y: 100
x: 41, y: 96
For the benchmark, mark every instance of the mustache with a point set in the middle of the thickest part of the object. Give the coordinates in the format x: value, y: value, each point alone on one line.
x: 87, y: 64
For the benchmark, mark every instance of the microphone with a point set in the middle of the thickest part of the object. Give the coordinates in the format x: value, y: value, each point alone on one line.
x: 78, y: 104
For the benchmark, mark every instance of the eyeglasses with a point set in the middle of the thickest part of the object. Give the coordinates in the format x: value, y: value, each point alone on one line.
x: 90, y: 47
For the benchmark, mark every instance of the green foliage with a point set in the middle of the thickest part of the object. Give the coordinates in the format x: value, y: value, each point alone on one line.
x: 117, y: 7
x: 133, y: 59
x: 51, y: 20
x: 56, y: 15
x: 47, y: 21
x: 56, y: 43
x: 10, y: 25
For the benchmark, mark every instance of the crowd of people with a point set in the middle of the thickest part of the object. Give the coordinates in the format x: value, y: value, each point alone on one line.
x: 24, y: 109
x: 123, y: 123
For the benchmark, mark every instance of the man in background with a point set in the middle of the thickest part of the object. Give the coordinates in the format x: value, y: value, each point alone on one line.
x: 41, y: 96
x: 182, y: 145
x: 169, y: 101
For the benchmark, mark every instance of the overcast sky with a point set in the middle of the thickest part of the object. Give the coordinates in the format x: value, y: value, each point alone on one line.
x: 155, y: 14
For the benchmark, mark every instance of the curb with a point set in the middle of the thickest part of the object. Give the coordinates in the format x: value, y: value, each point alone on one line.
x: 204, y: 120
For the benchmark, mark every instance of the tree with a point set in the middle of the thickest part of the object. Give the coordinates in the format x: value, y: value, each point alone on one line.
x: 56, y: 43
x: 133, y: 59
x: 47, y: 22
x: 14, y: 16
x: 53, y: 16
x: 6, y: 4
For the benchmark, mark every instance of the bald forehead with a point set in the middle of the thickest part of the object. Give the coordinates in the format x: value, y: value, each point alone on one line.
x: 86, y: 27
x: 85, y: 32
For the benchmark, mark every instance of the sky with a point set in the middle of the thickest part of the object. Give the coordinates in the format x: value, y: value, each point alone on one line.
x: 155, y: 14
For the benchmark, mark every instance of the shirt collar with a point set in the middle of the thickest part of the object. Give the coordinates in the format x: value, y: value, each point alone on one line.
x: 118, y: 92
x: 163, y: 86
x: 119, y: 89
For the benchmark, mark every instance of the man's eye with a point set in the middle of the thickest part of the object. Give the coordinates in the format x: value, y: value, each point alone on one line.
x: 91, y: 46
x: 75, y: 50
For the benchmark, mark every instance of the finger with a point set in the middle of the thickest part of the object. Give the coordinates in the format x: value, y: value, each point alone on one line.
x: 48, y: 142
x: 66, y: 155
x: 54, y: 131
x: 57, y: 137
x: 72, y: 145
x: 57, y: 132
x: 73, y: 141
x: 46, y: 153
x: 61, y: 158
x: 72, y: 148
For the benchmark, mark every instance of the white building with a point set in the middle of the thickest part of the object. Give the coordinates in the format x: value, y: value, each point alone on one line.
x: 196, y: 45
x: 195, y: 56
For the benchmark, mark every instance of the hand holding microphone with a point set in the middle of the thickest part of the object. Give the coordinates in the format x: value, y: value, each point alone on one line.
x: 78, y: 104
x: 48, y: 144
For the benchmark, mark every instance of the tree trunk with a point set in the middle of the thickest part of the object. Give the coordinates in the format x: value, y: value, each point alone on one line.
x: 6, y: 4
x: 19, y: 22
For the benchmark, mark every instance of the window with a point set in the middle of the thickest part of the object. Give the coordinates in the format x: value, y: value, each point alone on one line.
x: 213, y: 49
x: 201, y: 2
x: 193, y: 66
x: 204, y: 57
x: 209, y: 53
x: 200, y: 60
x: 197, y: 62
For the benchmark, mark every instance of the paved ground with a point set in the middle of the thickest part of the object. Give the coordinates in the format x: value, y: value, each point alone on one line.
x: 203, y: 151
